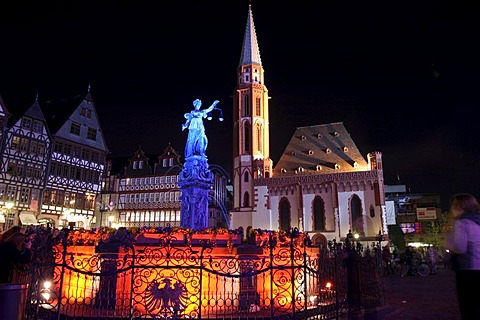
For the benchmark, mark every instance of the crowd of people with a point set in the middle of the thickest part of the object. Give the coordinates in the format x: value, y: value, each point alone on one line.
x: 15, y: 247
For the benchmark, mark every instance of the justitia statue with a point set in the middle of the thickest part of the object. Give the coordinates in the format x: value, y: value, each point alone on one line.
x: 195, y: 179
x: 197, y: 139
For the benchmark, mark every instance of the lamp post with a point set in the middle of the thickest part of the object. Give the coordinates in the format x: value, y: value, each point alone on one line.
x: 380, y: 238
x: 5, y: 214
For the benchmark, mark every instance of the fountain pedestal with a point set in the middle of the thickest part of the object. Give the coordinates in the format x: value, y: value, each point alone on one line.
x: 195, y: 181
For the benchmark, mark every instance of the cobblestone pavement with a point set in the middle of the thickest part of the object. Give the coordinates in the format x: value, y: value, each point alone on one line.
x: 413, y: 297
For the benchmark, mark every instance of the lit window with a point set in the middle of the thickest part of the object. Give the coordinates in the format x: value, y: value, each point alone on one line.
x: 92, y: 134
x: 75, y: 128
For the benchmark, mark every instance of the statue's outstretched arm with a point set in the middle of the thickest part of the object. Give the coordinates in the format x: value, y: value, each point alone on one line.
x: 212, y: 106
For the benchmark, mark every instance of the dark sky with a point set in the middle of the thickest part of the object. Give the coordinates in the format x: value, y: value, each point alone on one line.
x: 401, y: 75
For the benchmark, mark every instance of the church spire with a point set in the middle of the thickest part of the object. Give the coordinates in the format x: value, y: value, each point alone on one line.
x: 250, y: 52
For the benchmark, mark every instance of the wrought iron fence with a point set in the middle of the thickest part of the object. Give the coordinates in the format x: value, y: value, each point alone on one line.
x: 167, y: 277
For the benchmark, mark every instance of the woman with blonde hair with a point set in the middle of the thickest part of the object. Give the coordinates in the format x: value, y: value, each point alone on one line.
x: 463, y: 241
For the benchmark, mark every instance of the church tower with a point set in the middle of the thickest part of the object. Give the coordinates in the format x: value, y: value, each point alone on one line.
x: 251, y: 151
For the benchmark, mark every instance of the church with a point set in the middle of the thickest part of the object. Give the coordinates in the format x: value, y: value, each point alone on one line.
x: 321, y: 185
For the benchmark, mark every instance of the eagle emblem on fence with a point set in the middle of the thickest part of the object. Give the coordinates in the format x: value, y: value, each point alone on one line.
x: 165, y: 295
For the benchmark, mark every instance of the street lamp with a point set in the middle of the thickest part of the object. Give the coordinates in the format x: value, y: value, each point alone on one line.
x: 9, y: 205
x: 111, y: 218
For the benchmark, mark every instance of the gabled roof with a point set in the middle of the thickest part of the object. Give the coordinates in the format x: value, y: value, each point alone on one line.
x: 138, y: 165
x: 60, y: 115
x: 250, y: 52
x: 122, y: 166
x: 169, y: 153
x: 3, y: 109
x: 35, y: 112
x: 320, y: 149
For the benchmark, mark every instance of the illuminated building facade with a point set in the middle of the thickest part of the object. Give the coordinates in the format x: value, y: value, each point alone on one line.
x: 146, y: 192
x: 52, y: 159
x: 321, y: 184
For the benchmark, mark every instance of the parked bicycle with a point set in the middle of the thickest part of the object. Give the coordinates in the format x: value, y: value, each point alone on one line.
x: 417, y: 267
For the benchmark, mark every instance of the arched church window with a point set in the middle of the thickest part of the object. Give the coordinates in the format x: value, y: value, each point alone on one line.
x: 356, y: 214
x: 245, y: 177
x: 285, y: 216
x: 318, y: 214
x: 247, y: 142
x: 246, y: 106
x: 258, y: 107
x: 259, y: 137
x: 246, y: 199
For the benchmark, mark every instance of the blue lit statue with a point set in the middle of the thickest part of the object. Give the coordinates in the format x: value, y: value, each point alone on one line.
x: 195, y: 179
x: 197, y: 139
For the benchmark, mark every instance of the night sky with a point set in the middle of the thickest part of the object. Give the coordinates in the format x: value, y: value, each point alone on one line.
x: 402, y: 76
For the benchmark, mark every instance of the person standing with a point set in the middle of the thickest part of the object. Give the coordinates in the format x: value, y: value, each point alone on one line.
x: 14, y: 248
x: 432, y: 259
x: 463, y: 241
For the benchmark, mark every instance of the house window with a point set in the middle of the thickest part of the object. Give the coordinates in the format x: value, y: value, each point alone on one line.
x: 92, y: 134
x: 37, y: 126
x: 26, y: 122
x: 372, y: 212
x: 75, y: 128
x: 41, y: 149
x: 85, y: 154
x: 15, y: 142
x: 86, y: 113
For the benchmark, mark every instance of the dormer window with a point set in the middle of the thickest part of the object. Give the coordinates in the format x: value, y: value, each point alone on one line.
x: 328, y: 151
x: 319, y: 136
x: 318, y: 167
x: 300, y: 169
x: 310, y: 152
x: 294, y: 153
x: 302, y: 137
x: 337, y: 166
x: 345, y: 149
x: 355, y: 164
x: 92, y: 134
x: 336, y: 134
x: 283, y: 170
x: 75, y: 128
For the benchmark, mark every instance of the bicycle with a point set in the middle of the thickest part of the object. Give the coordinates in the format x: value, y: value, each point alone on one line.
x: 417, y: 267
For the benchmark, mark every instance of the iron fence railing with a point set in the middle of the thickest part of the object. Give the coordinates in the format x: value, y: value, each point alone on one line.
x: 171, y: 278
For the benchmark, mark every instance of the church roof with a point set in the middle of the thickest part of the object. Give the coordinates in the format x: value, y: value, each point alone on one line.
x: 250, y: 52
x: 320, y: 149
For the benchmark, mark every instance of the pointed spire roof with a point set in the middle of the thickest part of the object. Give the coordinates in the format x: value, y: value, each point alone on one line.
x: 35, y: 111
x: 250, y: 51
